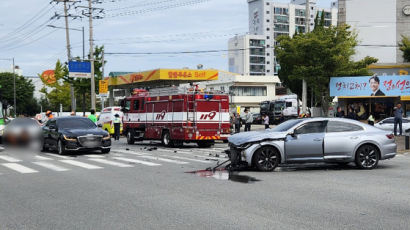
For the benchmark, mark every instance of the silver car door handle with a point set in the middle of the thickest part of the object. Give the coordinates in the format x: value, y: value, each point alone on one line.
x: 354, y: 138
x: 317, y: 139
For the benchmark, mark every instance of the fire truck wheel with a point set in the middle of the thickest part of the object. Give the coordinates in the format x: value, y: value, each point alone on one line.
x: 205, y: 144
x: 130, y: 137
x: 166, y: 139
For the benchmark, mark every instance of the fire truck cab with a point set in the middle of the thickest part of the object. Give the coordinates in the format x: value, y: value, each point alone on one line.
x: 175, y: 116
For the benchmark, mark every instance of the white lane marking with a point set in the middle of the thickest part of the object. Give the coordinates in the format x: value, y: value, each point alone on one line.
x: 81, y: 164
x: 188, y: 159
x: 56, y: 155
x: 206, y: 157
x: 9, y: 159
x: 19, y: 168
x: 43, y: 158
x: 136, y: 161
x: 131, y: 152
x: 94, y: 156
x: 51, y: 166
x: 164, y: 159
x: 104, y: 161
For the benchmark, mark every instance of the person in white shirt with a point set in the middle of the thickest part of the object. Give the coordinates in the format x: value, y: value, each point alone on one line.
x: 266, y: 121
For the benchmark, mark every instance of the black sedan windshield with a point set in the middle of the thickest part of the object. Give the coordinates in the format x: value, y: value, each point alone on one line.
x: 76, y: 124
x: 285, y: 126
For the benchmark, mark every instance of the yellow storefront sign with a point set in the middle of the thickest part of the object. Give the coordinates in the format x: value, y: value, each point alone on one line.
x: 165, y: 74
x: 103, y: 86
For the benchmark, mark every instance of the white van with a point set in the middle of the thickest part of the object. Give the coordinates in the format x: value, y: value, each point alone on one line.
x: 106, y: 118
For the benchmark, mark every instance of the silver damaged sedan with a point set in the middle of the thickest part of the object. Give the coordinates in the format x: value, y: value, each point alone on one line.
x: 334, y: 140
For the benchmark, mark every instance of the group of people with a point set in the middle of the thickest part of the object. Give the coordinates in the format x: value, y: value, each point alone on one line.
x: 247, y: 120
x: 360, y: 115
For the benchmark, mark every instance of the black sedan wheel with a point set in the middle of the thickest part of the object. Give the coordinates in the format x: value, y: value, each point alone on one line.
x: 61, y: 147
x: 367, y: 157
x: 266, y: 158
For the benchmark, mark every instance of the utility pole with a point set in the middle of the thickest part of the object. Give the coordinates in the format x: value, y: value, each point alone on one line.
x: 83, y: 44
x: 91, y: 55
x: 14, y: 76
x: 304, y: 85
x: 67, y: 35
x: 102, y: 78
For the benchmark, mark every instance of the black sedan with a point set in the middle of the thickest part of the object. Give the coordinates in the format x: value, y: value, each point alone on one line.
x: 74, y: 133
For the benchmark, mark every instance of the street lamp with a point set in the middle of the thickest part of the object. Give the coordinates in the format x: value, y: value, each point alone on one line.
x: 82, y: 30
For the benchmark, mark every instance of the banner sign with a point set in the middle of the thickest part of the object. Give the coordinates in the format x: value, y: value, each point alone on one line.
x: 103, y: 87
x: 393, y: 85
x: 79, y: 69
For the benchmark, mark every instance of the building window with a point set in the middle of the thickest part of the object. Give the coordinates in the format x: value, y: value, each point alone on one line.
x: 267, y: 20
x: 267, y: 46
x: 267, y: 29
x: 249, y: 90
x: 268, y: 62
x: 267, y: 12
x: 267, y: 54
x: 222, y: 88
x: 281, y: 27
x: 268, y: 70
x: 267, y: 3
x: 267, y: 37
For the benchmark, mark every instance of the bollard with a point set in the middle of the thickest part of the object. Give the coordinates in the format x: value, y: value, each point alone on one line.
x: 406, y: 139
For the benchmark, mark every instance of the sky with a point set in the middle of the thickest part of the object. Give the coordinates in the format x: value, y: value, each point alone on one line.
x: 147, y: 26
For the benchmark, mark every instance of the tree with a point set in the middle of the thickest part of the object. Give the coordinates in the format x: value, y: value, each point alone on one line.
x: 404, y: 46
x: 26, y: 104
x: 60, y: 90
x: 317, y: 56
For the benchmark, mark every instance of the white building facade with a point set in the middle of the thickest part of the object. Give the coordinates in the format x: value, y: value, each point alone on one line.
x: 379, y: 27
x: 267, y: 21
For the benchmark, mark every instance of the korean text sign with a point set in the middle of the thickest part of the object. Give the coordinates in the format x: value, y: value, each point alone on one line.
x: 393, y: 85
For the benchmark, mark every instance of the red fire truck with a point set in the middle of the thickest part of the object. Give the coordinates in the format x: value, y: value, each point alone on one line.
x: 175, y: 116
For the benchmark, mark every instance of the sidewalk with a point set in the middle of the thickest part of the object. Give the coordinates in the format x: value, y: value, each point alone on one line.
x: 401, y: 144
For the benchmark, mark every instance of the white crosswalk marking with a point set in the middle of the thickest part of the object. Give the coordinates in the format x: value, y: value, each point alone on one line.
x: 56, y: 155
x: 136, y: 161
x: 94, y: 156
x: 201, y: 156
x: 43, y: 158
x: 108, y: 162
x: 9, y: 159
x: 164, y: 159
x: 19, y: 168
x: 51, y: 166
x: 81, y: 164
x: 130, y: 152
x: 188, y: 159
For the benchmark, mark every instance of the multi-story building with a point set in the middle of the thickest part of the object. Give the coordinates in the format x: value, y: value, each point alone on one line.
x: 268, y: 20
x: 379, y: 27
x: 247, y: 55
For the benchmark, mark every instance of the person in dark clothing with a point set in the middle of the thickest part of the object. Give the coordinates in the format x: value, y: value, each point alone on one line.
x: 340, y: 112
x: 398, y: 119
x: 238, y: 124
x: 117, y: 127
x: 352, y: 114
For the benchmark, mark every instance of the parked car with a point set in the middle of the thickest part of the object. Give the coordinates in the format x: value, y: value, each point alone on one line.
x: 74, y: 133
x: 106, y: 118
x: 21, y: 131
x: 257, y: 118
x: 336, y: 140
x: 388, y: 124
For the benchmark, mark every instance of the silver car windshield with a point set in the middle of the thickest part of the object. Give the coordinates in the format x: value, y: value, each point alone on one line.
x: 285, y: 126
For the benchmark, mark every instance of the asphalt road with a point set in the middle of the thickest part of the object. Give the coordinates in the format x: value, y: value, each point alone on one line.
x: 148, y: 188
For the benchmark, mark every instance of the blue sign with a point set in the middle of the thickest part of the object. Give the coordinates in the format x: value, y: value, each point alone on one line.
x: 79, y: 69
x: 393, y: 85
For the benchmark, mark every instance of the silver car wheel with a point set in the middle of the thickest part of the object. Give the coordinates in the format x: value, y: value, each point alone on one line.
x: 266, y: 158
x: 367, y: 157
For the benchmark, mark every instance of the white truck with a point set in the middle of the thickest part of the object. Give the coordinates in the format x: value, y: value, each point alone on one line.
x: 286, y: 107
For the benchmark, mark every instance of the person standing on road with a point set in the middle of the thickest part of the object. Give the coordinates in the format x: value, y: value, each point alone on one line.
x: 266, y: 121
x: 237, y: 122
x: 117, y: 127
x: 398, y: 119
x: 92, y: 117
x: 340, y: 112
x: 248, y: 120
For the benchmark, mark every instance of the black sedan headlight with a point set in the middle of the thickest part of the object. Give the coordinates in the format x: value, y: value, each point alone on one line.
x: 69, y: 138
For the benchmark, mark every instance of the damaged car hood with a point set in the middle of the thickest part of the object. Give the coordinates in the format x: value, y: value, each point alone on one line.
x: 255, y: 136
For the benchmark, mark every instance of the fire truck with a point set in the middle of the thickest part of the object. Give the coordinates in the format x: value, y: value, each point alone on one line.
x: 175, y: 115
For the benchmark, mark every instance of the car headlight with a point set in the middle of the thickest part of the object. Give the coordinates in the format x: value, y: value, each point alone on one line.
x: 107, y: 137
x: 68, y: 138
x: 245, y: 146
